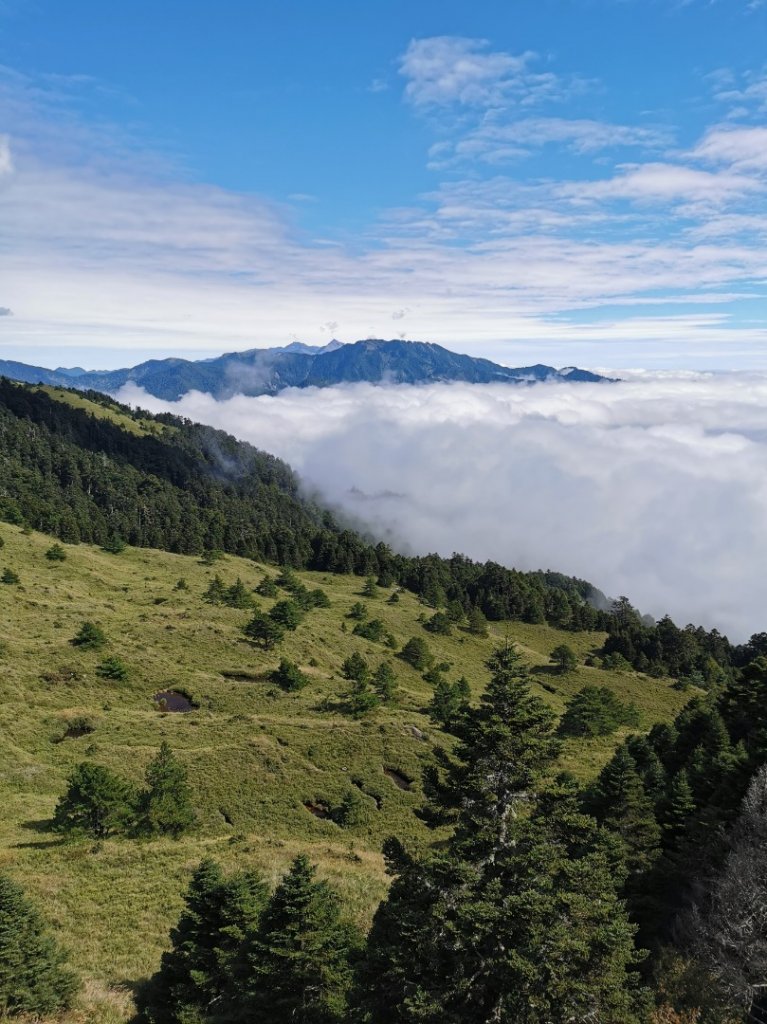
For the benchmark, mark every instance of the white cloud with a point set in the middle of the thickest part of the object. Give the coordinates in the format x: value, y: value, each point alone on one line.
x: 655, y: 487
x: 742, y: 148
x: 444, y: 70
x: 496, y: 140
x: 6, y: 160
x: 664, y: 182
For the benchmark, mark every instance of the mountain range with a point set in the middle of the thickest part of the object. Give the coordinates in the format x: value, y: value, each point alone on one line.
x: 267, y: 371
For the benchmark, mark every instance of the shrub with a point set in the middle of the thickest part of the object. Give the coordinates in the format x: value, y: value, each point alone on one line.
x: 90, y: 637
x: 289, y: 676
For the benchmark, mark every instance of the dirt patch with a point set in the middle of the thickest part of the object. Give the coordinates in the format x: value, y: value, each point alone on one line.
x: 400, y: 781
x: 175, y: 701
x: 319, y: 810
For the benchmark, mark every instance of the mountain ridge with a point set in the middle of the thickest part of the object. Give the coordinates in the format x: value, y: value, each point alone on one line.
x: 267, y: 371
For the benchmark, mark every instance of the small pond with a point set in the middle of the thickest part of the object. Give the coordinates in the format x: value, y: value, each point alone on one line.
x: 172, y: 700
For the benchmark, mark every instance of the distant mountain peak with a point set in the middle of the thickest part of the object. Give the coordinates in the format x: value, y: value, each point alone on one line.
x: 267, y: 371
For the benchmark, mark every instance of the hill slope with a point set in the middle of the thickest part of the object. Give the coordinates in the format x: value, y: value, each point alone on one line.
x: 267, y: 371
x: 255, y: 754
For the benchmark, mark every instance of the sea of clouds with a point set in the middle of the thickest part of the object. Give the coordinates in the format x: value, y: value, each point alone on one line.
x: 655, y: 487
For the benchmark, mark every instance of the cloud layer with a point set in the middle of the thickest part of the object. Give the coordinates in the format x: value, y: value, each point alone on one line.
x: 655, y: 487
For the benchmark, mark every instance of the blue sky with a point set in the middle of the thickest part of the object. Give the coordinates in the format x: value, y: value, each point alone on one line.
x: 571, y: 182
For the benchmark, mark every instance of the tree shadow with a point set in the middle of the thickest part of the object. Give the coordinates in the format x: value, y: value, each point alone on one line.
x: 42, y: 828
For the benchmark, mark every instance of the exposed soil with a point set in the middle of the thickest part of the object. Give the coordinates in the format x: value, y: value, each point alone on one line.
x: 318, y: 810
x: 400, y: 781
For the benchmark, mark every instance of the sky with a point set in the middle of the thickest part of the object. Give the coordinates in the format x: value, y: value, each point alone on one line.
x: 566, y: 181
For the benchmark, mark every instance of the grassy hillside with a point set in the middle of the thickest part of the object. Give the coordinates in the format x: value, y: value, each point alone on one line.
x: 256, y: 755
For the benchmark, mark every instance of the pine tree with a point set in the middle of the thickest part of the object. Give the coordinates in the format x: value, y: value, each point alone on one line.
x: 564, y: 658
x: 621, y: 803
x: 9, y: 577
x: 263, y: 631
x: 356, y: 668
x: 286, y: 614
x: 416, y: 653
x: 238, y: 595
x: 385, y: 682
x: 203, y: 974
x: 113, y: 668
x: 678, y: 807
x: 166, y: 805
x: 300, y: 959
x: 56, y: 553
x: 361, y: 698
x: 477, y: 622
x: 33, y: 977
x: 97, y: 802
x: 370, y: 589
x: 506, y: 744
x: 517, y: 919
x: 216, y: 591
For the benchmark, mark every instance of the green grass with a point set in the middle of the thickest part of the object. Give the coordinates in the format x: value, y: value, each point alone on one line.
x: 255, y: 754
x: 140, y: 427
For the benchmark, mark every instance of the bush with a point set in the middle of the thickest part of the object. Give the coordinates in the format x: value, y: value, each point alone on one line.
x: 9, y: 577
x: 373, y: 630
x: 289, y: 676
x: 90, y: 637
x: 113, y: 668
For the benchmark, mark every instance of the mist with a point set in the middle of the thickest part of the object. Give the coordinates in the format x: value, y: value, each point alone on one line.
x: 655, y: 487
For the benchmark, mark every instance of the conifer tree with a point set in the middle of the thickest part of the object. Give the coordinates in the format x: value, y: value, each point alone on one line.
x: 216, y: 591
x: 202, y: 976
x: 517, y: 919
x: 238, y: 595
x: 300, y: 958
x: 166, y: 805
x: 385, y: 682
x: 289, y: 676
x: 621, y: 803
x: 97, y: 802
x: 56, y: 553
x: 33, y: 976
x: 263, y: 631
x: 90, y: 637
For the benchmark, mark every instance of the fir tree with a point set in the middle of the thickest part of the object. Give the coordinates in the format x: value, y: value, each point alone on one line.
x: 385, y: 682
x: 263, y: 631
x: 416, y: 653
x: 97, y: 802
x: 370, y: 589
x: 113, y: 668
x: 166, y: 805
x: 267, y: 587
x: 356, y: 668
x: 56, y: 553
x: 238, y: 595
x: 203, y: 974
x: 33, y: 977
x: 564, y: 658
x: 9, y: 577
x: 361, y: 698
x: 517, y: 919
x: 622, y: 804
x: 300, y: 959
x: 477, y: 622
x: 286, y: 614
x: 216, y: 591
